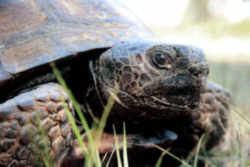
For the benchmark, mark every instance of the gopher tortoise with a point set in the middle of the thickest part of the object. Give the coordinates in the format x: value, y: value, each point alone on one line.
x: 160, y: 90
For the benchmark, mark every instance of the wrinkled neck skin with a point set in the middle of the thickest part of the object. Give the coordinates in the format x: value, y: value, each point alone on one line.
x: 143, y: 90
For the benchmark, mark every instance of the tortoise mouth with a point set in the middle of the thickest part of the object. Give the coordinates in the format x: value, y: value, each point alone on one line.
x: 167, y: 105
x: 179, y: 102
x: 154, y: 123
x: 146, y: 135
x: 153, y: 107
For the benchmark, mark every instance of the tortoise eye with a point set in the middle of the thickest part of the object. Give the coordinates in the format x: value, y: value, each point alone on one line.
x: 160, y: 60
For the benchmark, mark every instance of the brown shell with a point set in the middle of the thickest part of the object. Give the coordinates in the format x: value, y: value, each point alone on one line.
x: 36, y: 32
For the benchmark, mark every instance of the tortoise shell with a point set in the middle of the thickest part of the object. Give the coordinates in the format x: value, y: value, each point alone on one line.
x: 36, y: 32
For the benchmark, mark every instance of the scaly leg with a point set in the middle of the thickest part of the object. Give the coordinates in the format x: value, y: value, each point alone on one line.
x: 34, y: 127
x: 215, y: 109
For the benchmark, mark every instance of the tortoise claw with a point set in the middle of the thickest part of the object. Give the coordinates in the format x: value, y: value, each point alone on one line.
x: 134, y: 141
x: 166, y: 138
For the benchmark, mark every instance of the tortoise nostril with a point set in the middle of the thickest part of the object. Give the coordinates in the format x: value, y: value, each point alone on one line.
x: 196, y: 71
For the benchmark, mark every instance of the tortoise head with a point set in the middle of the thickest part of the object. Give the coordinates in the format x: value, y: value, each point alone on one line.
x: 151, y: 80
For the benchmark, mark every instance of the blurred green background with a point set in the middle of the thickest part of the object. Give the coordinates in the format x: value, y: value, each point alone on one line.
x: 222, y: 29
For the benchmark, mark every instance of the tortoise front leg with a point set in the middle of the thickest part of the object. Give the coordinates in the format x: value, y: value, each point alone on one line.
x: 34, y: 128
x: 215, y: 109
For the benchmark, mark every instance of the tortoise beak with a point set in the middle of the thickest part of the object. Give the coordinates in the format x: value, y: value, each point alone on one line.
x: 189, y: 80
x: 183, y: 90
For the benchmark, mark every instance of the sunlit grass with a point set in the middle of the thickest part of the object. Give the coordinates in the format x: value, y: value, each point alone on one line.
x: 78, y: 110
x: 125, y: 152
x: 164, y: 151
x: 90, y: 154
x: 198, y: 150
x: 117, y: 148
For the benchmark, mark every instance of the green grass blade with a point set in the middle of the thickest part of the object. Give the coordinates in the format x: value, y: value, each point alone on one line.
x: 198, y: 150
x: 125, y: 153
x: 72, y: 98
x: 159, y: 161
x: 75, y: 130
x: 92, y: 145
x: 105, y: 114
x: 241, y: 115
x: 118, y: 156
x: 102, y: 123
x: 104, y: 117
x: 109, y: 160
x: 173, y: 156
x: 98, y: 159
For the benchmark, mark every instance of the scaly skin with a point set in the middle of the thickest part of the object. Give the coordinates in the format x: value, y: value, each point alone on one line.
x: 27, y: 120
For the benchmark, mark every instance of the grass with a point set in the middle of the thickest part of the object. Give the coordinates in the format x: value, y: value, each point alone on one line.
x: 236, y: 78
x: 233, y: 76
